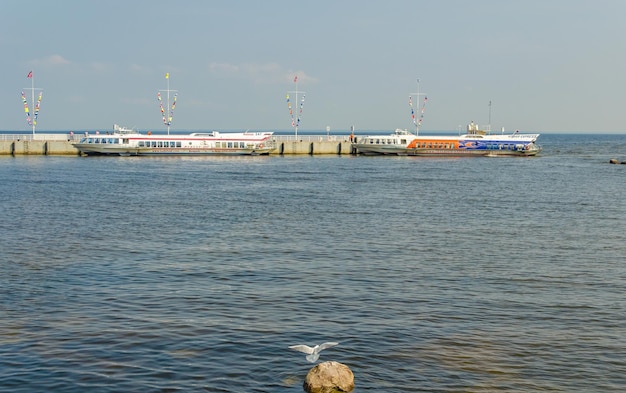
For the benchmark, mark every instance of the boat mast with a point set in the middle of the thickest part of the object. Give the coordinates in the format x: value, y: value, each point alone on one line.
x: 489, y: 117
x: 421, y: 112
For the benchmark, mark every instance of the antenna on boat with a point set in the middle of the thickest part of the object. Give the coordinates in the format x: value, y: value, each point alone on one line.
x: 167, y: 117
x: 417, y: 95
x: 32, y: 122
x: 489, y: 117
x: 295, y: 122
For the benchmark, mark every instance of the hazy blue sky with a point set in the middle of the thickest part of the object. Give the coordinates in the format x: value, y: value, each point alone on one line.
x: 546, y: 65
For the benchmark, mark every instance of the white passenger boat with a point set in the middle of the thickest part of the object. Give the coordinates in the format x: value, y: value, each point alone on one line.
x: 475, y: 142
x: 128, y: 142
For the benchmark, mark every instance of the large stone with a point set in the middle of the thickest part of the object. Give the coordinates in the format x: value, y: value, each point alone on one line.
x: 329, y: 377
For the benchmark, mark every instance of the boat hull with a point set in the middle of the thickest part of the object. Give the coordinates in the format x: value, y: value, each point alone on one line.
x: 125, y: 142
x: 476, y: 144
x: 89, y: 149
x: 472, y: 153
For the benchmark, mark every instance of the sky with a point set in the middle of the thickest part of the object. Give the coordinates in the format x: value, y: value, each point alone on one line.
x: 533, y: 65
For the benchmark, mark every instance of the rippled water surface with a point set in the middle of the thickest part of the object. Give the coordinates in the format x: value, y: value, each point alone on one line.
x: 147, y: 274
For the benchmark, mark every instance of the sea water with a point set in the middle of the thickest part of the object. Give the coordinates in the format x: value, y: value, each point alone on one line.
x: 195, y: 274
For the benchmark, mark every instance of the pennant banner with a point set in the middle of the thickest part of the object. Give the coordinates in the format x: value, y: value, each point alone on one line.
x: 171, y: 117
x: 422, y: 112
x: 421, y: 118
x: 167, y: 119
x: 412, y: 111
x: 26, y: 110
x: 295, y: 121
x: 37, y: 106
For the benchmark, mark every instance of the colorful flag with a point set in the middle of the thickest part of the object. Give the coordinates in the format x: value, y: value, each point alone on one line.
x: 30, y: 75
x: 167, y: 75
x: 295, y: 79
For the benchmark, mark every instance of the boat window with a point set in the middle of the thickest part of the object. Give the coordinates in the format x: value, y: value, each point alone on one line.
x: 140, y: 144
x: 178, y: 144
x: 172, y: 144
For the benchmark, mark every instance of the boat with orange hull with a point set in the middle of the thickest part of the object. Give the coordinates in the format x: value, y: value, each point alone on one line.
x: 474, y: 143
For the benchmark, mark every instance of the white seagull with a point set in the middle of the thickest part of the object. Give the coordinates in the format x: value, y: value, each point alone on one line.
x: 312, y: 353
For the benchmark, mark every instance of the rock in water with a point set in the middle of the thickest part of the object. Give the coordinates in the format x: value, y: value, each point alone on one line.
x: 329, y: 377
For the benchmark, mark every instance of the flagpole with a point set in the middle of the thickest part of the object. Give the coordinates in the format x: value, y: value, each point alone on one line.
x: 417, y: 100
x: 35, y: 109
x: 298, y: 106
x: 168, y: 113
x: 168, y: 103
x: 32, y: 100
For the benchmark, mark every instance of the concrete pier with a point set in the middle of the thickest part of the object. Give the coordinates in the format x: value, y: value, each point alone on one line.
x: 60, y: 144
x: 38, y: 144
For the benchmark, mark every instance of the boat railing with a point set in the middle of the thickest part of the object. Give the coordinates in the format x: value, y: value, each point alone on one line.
x: 40, y: 137
x: 524, y: 136
x: 311, y: 138
x: 75, y: 137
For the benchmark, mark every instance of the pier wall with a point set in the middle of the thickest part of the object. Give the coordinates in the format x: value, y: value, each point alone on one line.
x: 36, y: 147
x: 312, y: 147
x: 52, y: 144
